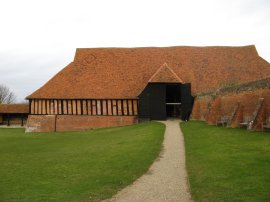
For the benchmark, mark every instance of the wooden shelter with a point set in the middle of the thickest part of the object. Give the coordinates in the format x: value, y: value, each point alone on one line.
x: 13, y: 114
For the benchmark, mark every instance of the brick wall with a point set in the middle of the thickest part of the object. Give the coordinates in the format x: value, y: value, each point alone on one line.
x: 244, y: 104
x: 40, y: 123
x: 196, y: 110
x: 72, y: 123
x: 215, y: 111
x: 50, y: 123
x: 201, y: 108
x: 261, y: 115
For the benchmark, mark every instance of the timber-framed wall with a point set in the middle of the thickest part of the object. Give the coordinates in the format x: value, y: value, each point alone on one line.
x: 49, y: 115
x: 90, y: 107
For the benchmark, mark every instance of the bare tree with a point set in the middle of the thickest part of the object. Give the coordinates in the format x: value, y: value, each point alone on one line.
x: 6, y: 96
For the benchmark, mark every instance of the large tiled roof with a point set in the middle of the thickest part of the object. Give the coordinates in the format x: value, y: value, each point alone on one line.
x: 124, y: 72
x: 14, y: 108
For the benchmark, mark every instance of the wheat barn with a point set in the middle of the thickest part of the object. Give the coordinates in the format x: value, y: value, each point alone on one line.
x: 106, y: 87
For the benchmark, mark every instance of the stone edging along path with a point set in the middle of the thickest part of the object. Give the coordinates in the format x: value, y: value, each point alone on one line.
x: 167, y: 178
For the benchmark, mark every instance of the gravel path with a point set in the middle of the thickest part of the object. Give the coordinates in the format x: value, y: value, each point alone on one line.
x: 166, y: 179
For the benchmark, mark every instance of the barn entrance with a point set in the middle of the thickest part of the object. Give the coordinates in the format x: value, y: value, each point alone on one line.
x: 173, y: 100
x: 158, y: 101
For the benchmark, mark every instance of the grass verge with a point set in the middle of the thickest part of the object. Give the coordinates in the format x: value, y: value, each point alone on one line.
x: 75, y: 166
x: 226, y: 164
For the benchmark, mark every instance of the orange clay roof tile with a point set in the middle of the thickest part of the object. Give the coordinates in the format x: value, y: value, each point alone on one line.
x: 124, y: 72
x: 14, y: 108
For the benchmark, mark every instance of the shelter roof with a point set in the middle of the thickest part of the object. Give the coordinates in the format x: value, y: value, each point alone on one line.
x: 14, y: 108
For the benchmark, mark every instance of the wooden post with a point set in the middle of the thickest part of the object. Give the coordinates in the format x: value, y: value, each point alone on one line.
x: 116, y: 102
x: 112, y: 107
x: 127, y: 107
x: 132, y: 103
x: 122, y: 108
x: 86, y: 106
x: 8, y: 119
x: 30, y: 103
x: 34, y: 107
x: 101, y: 107
x: 22, y: 119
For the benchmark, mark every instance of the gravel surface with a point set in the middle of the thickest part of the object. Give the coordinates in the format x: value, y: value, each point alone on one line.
x: 166, y: 179
x: 12, y: 126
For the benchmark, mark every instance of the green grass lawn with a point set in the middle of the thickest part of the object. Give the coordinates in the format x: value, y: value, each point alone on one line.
x: 226, y: 164
x: 75, y: 166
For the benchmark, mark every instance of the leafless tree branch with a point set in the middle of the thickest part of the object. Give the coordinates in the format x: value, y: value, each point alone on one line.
x: 6, y: 96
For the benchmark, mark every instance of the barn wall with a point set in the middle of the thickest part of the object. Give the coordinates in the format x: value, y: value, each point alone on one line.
x: 254, y: 103
x: 51, y: 123
x: 40, y: 123
x: 215, y: 111
x: 72, y: 123
x: 201, y: 108
x: 106, y: 107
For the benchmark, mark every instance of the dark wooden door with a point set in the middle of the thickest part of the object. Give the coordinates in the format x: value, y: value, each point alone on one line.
x: 186, y: 101
x: 152, y: 102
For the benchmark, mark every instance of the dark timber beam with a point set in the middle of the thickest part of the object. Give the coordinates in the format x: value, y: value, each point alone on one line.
x: 8, y: 119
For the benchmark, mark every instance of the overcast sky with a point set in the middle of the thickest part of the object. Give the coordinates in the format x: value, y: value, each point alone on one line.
x: 39, y: 38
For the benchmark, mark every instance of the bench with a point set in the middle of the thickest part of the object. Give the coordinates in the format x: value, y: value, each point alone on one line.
x: 223, y: 121
x: 246, y: 122
x: 266, y: 125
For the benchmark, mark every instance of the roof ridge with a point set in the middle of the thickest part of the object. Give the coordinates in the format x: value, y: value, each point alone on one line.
x: 162, y: 47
